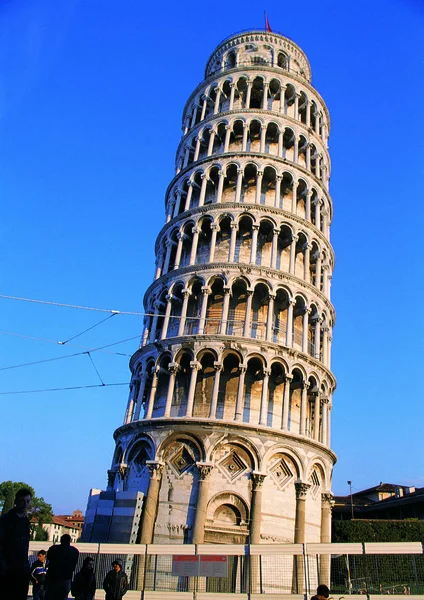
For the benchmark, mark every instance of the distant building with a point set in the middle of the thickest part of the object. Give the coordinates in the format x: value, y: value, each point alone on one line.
x: 76, y: 520
x: 383, y: 501
x: 60, y: 524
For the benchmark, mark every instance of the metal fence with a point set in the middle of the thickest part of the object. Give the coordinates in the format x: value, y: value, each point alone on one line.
x: 270, y: 570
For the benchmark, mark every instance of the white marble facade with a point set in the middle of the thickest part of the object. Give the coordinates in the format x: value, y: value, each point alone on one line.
x: 227, y: 428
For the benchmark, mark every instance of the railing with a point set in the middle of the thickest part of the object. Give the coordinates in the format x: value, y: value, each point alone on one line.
x: 274, y: 570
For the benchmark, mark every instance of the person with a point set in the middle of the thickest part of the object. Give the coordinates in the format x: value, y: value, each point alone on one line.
x: 116, y: 581
x: 322, y: 592
x: 84, y: 584
x: 62, y: 560
x: 14, y: 544
x: 38, y: 576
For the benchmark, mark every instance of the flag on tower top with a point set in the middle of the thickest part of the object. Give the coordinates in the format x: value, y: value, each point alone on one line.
x: 267, y: 25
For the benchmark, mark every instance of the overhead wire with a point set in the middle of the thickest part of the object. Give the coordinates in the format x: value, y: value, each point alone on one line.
x: 51, y: 303
x: 88, y: 329
x: 62, y: 389
x: 40, y: 339
x: 45, y: 360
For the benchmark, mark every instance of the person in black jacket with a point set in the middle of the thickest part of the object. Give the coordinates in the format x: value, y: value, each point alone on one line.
x: 14, y: 544
x: 84, y: 584
x: 62, y: 560
x: 116, y: 582
x: 38, y: 576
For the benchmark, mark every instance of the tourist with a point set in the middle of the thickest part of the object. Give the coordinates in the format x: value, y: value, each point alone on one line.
x: 322, y: 593
x: 62, y: 560
x: 84, y: 584
x: 116, y: 582
x: 38, y: 576
x: 14, y: 544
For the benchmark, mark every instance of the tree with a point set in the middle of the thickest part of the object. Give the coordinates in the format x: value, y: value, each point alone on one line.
x: 42, y: 511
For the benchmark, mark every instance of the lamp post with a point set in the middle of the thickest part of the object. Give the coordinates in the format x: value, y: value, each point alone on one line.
x: 349, y: 483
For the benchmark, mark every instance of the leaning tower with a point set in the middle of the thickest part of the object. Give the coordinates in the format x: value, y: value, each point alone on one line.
x: 227, y: 428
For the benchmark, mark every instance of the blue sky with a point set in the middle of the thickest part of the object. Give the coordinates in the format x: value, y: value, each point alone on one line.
x: 91, y: 98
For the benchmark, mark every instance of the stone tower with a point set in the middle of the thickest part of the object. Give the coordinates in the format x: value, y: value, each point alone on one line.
x: 227, y: 429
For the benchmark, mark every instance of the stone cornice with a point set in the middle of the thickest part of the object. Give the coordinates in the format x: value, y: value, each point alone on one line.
x: 207, y: 425
x: 257, y: 111
x: 242, y: 269
x: 236, y: 341
x: 244, y: 208
x: 219, y: 157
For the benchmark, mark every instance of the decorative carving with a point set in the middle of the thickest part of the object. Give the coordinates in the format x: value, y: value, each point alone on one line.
x: 205, y: 470
x: 182, y: 461
x: 301, y: 490
x: 281, y: 473
x: 257, y: 479
x: 155, y: 469
x: 111, y: 476
x: 232, y: 466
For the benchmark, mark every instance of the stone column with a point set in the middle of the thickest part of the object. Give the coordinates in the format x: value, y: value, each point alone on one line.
x: 274, y: 246
x: 186, y: 295
x: 216, y: 106
x: 317, y: 408
x: 220, y: 186
x: 197, y: 149
x: 139, y: 398
x: 270, y: 318
x: 169, y: 243
x: 317, y: 338
x: 254, y: 246
x: 324, y: 357
x: 308, y: 156
x: 169, y: 298
x: 259, y: 187
x: 299, y: 535
x: 304, y: 398
x: 202, y: 321
x: 195, y: 366
x: 238, y: 184
x: 293, y: 255
x: 308, y: 113
x: 330, y: 406
x: 150, y: 507
x: 214, y: 227
x: 306, y: 262
x: 180, y: 236
x: 214, y: 401
x: 198, y: 536
x: 248, y: 93
x: 278, y: 180
x: 296, y: 106
x: 289, y: 333
x: 232, y: 86
x: 283, y: 99
x: 173, y: 369
x: 156, y: 307
x: 248, y: 319
x: 318, y: 268
x: 159, y: 263
x: 256, y: 507
x: 211, y: 141
x: 189, y: 195
x: 234, y: 229
x: 151, y: 400
x: 305, y: 328
x: 327, y: 503
x: 264, y: 397
x: 324, y: 432
x: 263, y: 139
x: 286, y: 403
x: 245, y: 134
x: 227, y: 138
x: 177, y: 204
x: 265, y: 97
x: 240, y: 394
x: 225, y: 308
x: 296, y: 150
x: 294, y: 196
x: 196, y: 231
x: 203, y: 189
x: 308, y: 205
x: 204, y: 106
x: 330, y: 339
x: 130, y: 404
